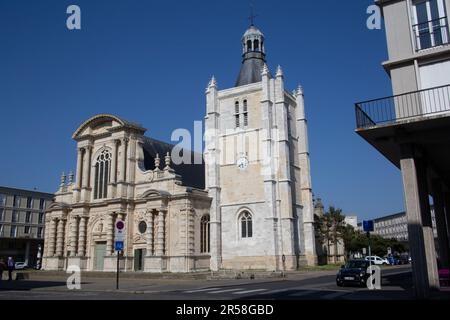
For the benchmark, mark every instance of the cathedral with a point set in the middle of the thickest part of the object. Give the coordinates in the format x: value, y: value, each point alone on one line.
x: 247, y: 204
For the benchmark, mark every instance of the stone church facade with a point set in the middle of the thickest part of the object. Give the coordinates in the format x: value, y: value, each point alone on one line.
x: 248, y: 205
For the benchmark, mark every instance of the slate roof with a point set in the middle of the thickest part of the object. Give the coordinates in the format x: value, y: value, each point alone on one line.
x: 193, y: 175
x: 251, y: 70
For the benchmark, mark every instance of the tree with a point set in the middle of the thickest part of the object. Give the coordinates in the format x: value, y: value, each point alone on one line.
x: 348, y: 234
x: 331, y: 228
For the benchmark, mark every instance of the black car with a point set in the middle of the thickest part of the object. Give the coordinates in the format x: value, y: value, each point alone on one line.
x: 353, y: 272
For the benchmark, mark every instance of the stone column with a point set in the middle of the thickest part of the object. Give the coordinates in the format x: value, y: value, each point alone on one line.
x: 86, y: 167
x: 52, y: 238
x: 114, y: 162
x: 150, y: 226
x: 160, y: 240
x: 60, y: 238
x: 82, y: 237
x: 441, y: 224
x: 123, y: 159
x: 110, y: 234
x: 419, y: 231
x: 73, y: 236
x: 79, y: 168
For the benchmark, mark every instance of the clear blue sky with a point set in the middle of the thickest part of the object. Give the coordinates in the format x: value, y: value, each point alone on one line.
x: 150, y: 61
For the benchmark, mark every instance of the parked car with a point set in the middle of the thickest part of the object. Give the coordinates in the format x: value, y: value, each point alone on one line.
x: 353, y: 272
x: 403, y: 260
x: 20, y: 265
x: 377, y: 260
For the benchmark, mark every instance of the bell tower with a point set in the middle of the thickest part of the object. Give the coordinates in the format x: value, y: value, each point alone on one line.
x: 257, y: 168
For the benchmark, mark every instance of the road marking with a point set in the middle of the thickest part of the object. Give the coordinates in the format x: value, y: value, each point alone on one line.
x: 334, y: 295
x: 202, y: 290
x: 223, y: 291
x: 275, y: 291
x: 303, y: 293
x: 249, y: 291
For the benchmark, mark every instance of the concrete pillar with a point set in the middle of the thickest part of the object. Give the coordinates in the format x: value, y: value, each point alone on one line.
x: 441, y: 224
x: 82, y: 237
x: 150, y: 226
x: 60, y: 238
x: 420, y: 231
x: 447, y: 212
x: 27, y: 252
x: 160, y: 239
x: 110, y: 234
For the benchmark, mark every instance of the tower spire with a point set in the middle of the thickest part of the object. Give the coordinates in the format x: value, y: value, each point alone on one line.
x: 253, y: 55
x: 252, y: 15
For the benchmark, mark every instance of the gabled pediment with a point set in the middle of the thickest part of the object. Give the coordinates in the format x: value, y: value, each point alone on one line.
x: 103, y: 124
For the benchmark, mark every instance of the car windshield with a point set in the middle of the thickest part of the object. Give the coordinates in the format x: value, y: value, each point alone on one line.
x: 356, y: 264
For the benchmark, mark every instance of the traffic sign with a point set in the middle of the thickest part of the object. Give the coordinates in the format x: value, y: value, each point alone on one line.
x: 368, y: 225
x: 119, y: 246
x: 120, y: 231
x: 120, y: 225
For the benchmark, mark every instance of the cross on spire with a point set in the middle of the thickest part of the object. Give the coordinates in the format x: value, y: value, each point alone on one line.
x: 252, y: 15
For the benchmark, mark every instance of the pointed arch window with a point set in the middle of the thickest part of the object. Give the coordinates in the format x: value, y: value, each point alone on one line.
x: 204, y: 234
x: 246, y: 225
x: 102, y: 175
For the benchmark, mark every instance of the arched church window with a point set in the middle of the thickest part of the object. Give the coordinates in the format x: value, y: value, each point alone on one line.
x: 256, y: 45
x: 204, y: 234
x: 249, y: 45
x: 102, y: 174
x: 246, y: 225
x: 245, y: 113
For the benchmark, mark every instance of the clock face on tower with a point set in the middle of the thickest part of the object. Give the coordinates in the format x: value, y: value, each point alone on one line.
x: 242, y: 163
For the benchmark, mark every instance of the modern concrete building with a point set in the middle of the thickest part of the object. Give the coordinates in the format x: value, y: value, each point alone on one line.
x: 412, y: 127
x: 22, y: 221
x: 395, y: 226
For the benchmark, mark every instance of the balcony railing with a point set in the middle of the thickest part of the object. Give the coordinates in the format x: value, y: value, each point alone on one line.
x: 405, y: 106
x: 431, y: 34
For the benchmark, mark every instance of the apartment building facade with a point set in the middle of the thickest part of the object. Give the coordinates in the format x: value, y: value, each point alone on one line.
x: 412, y: 127
x: 22, y: 221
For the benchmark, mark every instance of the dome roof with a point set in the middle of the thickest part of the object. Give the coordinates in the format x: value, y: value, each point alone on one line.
x: 253, y: 31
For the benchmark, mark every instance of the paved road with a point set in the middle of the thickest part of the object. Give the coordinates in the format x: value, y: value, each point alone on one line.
x: 396, y: 284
